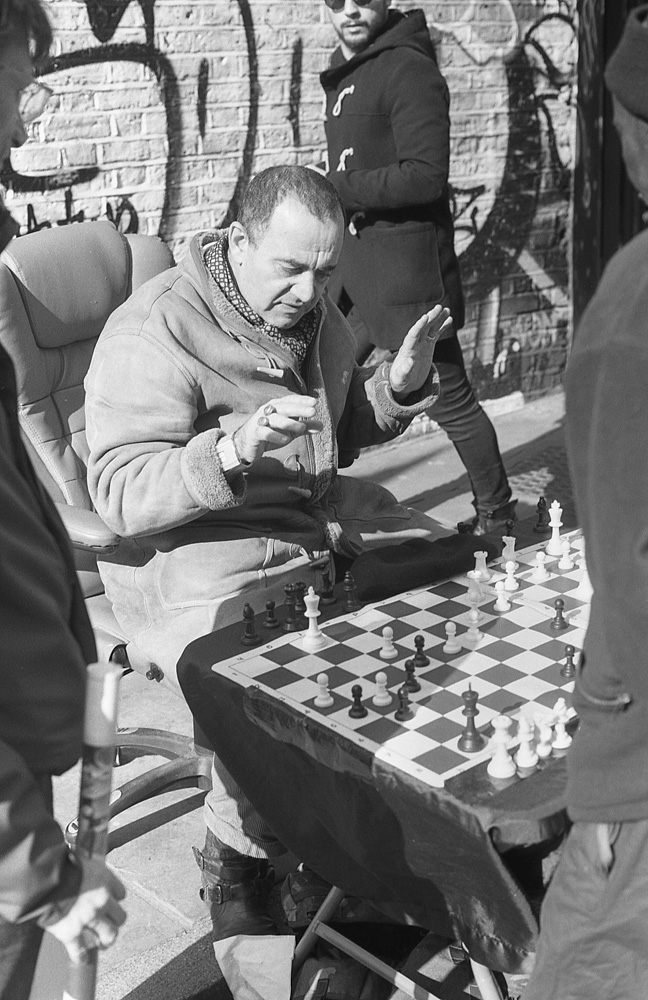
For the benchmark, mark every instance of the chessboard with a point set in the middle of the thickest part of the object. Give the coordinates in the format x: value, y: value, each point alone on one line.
x: 517, y: 661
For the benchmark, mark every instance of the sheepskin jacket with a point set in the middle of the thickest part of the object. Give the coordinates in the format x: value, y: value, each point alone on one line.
x: 175, y: 369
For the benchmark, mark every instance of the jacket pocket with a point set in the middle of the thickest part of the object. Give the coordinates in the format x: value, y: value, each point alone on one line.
x: 602, y: 700
x: 405, y: 264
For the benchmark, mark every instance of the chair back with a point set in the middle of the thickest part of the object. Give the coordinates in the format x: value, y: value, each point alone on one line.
x: 57, y: 289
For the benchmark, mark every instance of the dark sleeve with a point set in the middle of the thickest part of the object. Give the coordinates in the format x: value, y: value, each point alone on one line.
x: 419, y: 114
x: 608, y: 447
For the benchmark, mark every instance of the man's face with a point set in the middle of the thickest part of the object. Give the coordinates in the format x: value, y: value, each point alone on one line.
x: 16, y: 73
x: 285, y: 274
x: 357, y: 26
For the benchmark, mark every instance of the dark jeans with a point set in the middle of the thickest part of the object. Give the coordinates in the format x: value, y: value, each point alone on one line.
x: 461, y: 417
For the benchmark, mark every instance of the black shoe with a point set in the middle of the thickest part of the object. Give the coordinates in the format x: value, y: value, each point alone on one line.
x: 237, y: 892
x: 490, y: 522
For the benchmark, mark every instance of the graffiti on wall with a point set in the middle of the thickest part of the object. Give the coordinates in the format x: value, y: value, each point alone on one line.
x: 511, y: 228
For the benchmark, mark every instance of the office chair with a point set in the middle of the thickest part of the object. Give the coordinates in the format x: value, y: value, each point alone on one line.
x: 57, y: 289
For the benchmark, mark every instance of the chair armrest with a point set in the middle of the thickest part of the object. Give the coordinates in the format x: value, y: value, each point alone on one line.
x: 86, y: 529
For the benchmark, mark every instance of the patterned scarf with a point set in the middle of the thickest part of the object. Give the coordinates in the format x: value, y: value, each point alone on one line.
x: 295, y: 340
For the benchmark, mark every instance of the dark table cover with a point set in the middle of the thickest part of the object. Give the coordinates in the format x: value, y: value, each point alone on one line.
x: 447, y: 856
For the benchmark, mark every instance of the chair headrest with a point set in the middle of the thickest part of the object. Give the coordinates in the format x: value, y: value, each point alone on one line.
x: 73, y: 277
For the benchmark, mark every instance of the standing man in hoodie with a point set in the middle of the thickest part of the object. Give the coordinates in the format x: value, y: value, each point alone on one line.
x: 387, y: 130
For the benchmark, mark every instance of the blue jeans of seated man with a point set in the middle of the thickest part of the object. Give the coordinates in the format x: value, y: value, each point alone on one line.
x: 458, y: 412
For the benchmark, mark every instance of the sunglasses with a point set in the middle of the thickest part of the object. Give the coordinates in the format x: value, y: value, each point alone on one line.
x: 337, y: 5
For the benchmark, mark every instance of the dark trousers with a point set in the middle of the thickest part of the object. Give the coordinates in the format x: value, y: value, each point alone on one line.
x: 19, y: 946
x: 594, y: 922
x: 458, y: 412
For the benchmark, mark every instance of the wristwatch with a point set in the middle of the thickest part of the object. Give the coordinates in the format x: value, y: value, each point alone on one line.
x: 229, y: 457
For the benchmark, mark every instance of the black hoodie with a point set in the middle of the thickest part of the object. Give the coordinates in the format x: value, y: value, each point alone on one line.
x: 387, y: 129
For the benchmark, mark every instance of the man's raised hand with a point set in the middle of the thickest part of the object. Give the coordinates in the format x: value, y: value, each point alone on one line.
x: 412, y: 364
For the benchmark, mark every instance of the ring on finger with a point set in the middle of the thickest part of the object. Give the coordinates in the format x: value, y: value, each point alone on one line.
x: 263, y: 422
x: 268, y: 409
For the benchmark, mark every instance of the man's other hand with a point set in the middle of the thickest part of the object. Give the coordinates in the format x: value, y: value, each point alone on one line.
x: 412, y: 364
x: 94, y: 918
x: 274, y: 425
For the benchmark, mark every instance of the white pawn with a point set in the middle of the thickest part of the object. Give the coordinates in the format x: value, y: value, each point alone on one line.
x: 481, y: 568
x: 526, y: 757
x: 562, y: 740
x: 566, y: 561
x: 501, y: 764
x: 324, y: 698
x: 382, y: 696
x: 388, y: 651
x: 508, y: 552
x: 545, y: 733
x: 314, y: 639
x: 510, y: 583
x: 502, y: 603
x: 584, y: 589
x: 452, y: 644
x: 472, y: 635
x: 540, y: 572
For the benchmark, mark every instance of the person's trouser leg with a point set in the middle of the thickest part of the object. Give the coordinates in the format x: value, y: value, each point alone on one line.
x: 19, y: 946
x: 593, y: 941
x: 236, y: 876
x: 467, y: 425
x: 458, y: 412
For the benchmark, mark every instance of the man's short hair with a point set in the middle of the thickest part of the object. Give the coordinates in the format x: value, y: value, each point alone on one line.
x: 275, y: 185
x: 27, y: 17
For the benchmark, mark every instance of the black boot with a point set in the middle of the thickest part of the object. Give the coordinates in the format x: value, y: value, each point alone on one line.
x: 490, y: 522
x: 236, y: 888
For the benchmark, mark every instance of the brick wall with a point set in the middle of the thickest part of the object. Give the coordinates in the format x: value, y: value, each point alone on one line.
x: 164, y: 108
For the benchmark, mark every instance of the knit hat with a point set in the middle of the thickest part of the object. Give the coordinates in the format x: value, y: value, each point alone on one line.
x: 626, y: 74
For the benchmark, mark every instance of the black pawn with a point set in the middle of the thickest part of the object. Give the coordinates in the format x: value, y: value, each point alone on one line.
x: 351, y: 602
x: 559, y: 622
x: 270, y: 620
x: 541, y: 526
x: 509, y: 528
x: 300, y: 606
x: 250, y: 637
x: 357, y: 710
x: 470, y: 741
x: 403, y: 711
x: 411, y: 682
x: 568, y: 669
x: 420, y: 659
x: 291, y: 623
x: 326, y: 593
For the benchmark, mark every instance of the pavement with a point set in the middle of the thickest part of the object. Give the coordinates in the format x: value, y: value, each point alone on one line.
x: 164, y: 950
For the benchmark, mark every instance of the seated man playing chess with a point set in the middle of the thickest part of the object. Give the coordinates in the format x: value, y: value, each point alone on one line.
x: 221, y: 399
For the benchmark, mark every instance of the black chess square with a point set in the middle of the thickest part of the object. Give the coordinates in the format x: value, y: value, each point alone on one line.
x: 442, y: 702
x: 342, y: 631
x: 440, y: 730
x: 445, y: 675
x: 381, y: 730
x: 439, y: 759
x: 284, y: 654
